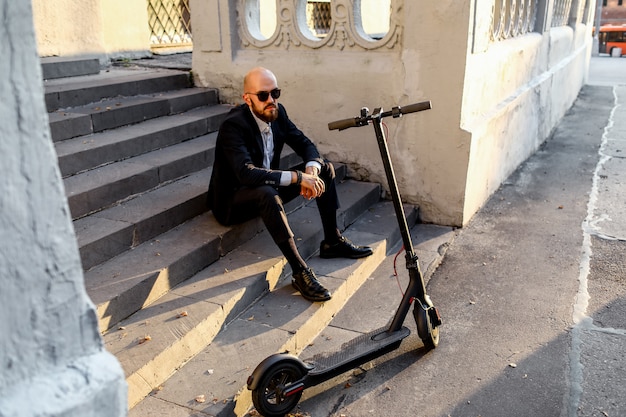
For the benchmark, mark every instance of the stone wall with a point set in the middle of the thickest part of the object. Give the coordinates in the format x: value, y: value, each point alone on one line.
x: 495, y: 98
x: 496, y: 94
x: 515, y: 92
x: 102, y: 29
x: 52, y: 359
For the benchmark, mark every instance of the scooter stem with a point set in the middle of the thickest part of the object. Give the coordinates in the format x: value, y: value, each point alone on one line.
x: 416, y: 288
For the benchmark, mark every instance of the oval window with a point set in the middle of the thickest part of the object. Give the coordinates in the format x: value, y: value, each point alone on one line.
x: 260, y: 18
x: 375, y: 16
x: 318, y: 17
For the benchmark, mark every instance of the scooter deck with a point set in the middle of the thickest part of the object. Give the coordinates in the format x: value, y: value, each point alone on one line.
x: 357, y: 351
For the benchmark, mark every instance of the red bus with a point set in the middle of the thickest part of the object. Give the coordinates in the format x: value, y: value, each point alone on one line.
x: 611, y: 37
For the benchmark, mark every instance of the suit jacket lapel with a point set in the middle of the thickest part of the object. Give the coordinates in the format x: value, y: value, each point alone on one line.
x: 258, y: 139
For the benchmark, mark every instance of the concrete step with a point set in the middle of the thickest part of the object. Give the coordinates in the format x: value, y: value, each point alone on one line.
x: 199, y: 250
x: 113, y: 82
x: 372, y: 307
x: 280, y: 320
x: 102, y: 187
x: 62, y: 67
x: 122, y: 174
x: 121, y: 111
x: 137, y: 277
x: 114, y: 230
x: 85, y: 152
x: 135, y: 148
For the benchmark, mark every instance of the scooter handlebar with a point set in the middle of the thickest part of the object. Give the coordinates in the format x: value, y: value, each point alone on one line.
x: 412, y: 108
x: 364, y: 119
x: 343, y: 124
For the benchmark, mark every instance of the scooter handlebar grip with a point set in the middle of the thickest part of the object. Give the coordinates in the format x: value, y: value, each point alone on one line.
x: 412, y: 108
x: 343, y: 124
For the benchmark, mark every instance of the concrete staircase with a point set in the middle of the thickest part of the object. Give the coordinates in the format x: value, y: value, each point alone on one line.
x: 189, y: 307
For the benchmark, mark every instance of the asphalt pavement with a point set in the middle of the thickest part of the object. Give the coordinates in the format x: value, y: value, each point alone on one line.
x: 532, y: 291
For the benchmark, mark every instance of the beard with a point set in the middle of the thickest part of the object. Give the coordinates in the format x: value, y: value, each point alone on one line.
x: 266, y: 112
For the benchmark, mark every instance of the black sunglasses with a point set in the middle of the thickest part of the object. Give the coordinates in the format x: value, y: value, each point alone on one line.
x: 264, y: 95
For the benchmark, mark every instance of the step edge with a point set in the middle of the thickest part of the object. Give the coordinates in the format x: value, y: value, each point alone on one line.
x: 221, y: 240
x: 351, y: 288
x: 129, y: 135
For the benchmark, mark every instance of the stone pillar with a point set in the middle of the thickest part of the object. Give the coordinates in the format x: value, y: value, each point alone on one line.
x: 52, y: 359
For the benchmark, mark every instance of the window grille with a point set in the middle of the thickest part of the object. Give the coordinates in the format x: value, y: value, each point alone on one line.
x: 170, y: 23
x: 319, y: 17
x: 513, y: 18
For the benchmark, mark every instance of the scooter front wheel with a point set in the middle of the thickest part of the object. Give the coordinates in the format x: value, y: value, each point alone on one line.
x: 427, y: 330
x: 269, y: 398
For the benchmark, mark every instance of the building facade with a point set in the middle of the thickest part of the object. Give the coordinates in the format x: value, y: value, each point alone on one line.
x: 499, y: 74
x: 613, y: 12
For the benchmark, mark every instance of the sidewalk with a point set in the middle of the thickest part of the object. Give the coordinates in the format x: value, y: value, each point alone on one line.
x: 532, y: 292
x: 599, y: 338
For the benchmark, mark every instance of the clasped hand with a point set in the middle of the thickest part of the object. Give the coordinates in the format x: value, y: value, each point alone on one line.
x: 312, y: 186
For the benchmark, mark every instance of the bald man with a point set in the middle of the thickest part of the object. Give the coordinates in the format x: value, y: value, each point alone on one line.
x: 246, y: 181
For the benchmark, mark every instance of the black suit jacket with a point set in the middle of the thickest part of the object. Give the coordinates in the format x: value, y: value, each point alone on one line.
x: 239, y: 156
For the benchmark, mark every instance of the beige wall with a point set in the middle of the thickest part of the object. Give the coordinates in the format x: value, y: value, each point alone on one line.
x: 429, y: 149
x: 94, y: 28
x: 515, y: 92
x: 493, y: 102
x: 68, y: 28
x: 125, y: 27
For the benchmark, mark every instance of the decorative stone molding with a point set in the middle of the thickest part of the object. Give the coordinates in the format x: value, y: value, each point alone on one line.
x: 345, y: 33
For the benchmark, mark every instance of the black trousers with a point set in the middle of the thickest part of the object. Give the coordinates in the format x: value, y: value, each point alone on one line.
x: 267, y: 202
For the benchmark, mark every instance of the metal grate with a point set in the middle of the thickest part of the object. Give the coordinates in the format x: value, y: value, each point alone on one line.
x: 513, y: 18
x: 319, y: 17
x: 561, y: 12
x: 170, y: 23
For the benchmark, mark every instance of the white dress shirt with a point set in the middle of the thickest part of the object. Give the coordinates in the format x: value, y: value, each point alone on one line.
x: 268, y: 150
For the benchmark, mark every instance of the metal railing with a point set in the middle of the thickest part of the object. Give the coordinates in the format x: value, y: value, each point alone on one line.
x: 561, y: 12
x: 513, y: 18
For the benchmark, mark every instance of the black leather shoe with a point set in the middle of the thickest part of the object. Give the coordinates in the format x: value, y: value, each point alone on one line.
x: 310, y: 288
x: 344, y: 249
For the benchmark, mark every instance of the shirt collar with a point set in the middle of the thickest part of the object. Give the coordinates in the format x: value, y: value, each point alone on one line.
x: 262, y: 124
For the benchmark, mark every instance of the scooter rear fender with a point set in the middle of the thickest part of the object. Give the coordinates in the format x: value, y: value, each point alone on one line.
x: 255, y: 377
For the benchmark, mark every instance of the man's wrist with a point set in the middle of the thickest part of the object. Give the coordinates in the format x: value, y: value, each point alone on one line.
x: 287, y: 178
x: 314, y: 164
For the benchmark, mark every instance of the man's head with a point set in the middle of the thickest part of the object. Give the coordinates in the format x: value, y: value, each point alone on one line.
x: 261, y: 93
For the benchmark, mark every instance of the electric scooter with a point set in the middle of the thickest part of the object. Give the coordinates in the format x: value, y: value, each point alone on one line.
x: 278, y: 381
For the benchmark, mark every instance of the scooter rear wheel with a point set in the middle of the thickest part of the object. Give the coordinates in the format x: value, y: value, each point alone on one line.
x: 268, y: 396
x: 425, y: 328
